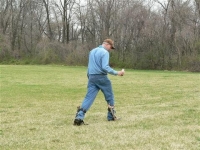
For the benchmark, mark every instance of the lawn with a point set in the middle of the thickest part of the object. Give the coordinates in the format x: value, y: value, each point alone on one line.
x: 159, y: 110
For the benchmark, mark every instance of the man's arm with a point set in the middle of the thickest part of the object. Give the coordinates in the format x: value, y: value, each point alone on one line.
x: 107, y: 68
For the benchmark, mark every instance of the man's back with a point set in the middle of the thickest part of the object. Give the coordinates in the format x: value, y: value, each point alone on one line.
x: 97, y: 60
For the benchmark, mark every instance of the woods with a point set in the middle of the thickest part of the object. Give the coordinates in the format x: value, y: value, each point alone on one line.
x: 151, y: 34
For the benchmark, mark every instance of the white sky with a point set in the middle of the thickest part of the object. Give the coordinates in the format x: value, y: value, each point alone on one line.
x: 155, y: 5
x: 151, y: 1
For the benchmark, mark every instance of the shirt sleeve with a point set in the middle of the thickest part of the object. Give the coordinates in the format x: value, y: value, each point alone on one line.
x: 105, y: 65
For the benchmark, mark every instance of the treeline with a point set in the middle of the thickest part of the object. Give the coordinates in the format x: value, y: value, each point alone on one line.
x: 148, y: 34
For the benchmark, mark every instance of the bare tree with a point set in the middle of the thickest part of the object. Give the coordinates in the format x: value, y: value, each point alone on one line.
x: 4, y: 15
x: 66, y: 11
x: 197, y: 2
x: 47, y: 8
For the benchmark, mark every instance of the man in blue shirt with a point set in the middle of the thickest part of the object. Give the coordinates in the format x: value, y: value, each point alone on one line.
x: 98, y: 68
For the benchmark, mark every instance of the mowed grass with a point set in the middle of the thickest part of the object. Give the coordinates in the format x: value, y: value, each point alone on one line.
x: 159, y: 110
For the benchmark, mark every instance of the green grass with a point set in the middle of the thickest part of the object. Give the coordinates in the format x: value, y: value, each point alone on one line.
x: 160, y: 110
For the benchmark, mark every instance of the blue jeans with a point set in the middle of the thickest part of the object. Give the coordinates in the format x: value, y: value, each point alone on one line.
x: 96, y: 83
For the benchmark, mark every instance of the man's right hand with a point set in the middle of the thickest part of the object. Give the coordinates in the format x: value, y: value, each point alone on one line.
x: 121, y: 73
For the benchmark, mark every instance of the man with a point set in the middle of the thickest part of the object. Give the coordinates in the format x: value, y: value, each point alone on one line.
x: 98, y: 67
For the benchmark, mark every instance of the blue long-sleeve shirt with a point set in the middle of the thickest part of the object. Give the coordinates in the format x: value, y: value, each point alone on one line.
x: 99, y: 62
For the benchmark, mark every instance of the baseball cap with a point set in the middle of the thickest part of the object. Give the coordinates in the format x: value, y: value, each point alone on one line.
x: 111, y: 42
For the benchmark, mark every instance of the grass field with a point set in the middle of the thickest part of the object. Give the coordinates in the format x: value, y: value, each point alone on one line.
x: 160, y: 110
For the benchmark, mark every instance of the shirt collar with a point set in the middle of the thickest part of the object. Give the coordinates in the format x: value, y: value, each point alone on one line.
x: 100, y: 46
